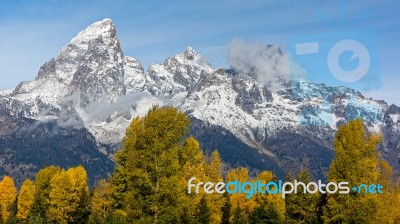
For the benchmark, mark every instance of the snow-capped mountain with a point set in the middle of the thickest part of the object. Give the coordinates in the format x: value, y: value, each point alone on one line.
x: 86, y: 97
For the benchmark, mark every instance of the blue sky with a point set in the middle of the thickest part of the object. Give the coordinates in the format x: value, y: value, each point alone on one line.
x: 32, y: 32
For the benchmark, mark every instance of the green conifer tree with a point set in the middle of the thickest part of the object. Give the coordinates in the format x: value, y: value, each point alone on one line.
x: 238, y: 216
x: 302, y: 207
x: 264, y: 215
x: 226, y: 210
x: 203, y: 213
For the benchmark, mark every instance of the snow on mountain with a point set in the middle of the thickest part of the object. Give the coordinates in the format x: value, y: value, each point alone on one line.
x: 91, y: 68
x: 92, y: 81
x: 178, y: 75
x: 91, y: 65
x: 134, y: 78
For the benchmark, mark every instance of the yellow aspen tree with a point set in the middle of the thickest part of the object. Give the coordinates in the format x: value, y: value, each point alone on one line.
x: 396, y: 201
x: 356, y: 162
x: 147, y: 167
x: 273, y: 201
x: 60, y: 198
x: 246, y: 205
x: 80, y: 194
x: 26, y: 199
x: 191, y: 160
x: 68, y: 197
x: 8, y: 194
x: 42, y: 185
x: 388, y: 210
x: 214, y: 174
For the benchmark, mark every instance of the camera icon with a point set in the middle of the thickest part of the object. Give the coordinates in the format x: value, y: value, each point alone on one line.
x: 346, y: 58
x: 338, y: 59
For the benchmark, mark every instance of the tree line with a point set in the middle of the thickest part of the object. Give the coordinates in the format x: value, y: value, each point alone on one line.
x: 150, y: 184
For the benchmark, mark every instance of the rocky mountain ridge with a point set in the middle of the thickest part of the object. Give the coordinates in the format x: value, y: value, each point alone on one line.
x: 93, y: 90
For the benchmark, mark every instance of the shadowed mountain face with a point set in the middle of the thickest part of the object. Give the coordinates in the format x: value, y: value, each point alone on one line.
x: 27, y: 146
x: 77, y: 109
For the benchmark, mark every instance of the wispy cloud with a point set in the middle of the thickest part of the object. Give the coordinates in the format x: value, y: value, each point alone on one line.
x: 102, y: 109
x: 268, y: 62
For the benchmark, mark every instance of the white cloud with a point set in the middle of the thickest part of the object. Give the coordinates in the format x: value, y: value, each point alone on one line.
x: 266, y: 61
x: 101, y: 109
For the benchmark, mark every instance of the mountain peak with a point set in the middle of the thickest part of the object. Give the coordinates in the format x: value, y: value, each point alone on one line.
x: 190, y: 57
x: 104, y: 28
x: 190, y: 54
x: 91, y: 64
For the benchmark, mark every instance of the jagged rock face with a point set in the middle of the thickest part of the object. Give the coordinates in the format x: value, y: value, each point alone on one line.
x: 93, y: 87
x: 133, y: 75
x: 92, y: 66
x: 390, y: 132
x: 178, y: 75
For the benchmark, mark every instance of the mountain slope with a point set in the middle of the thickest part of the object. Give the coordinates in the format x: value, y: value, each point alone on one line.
x: 85, y: 98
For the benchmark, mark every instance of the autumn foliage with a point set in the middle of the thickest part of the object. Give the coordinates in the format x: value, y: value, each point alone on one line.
x: 150, y: 184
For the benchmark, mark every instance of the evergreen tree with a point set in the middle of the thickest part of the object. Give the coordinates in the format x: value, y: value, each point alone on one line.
x: 238, y: 216
x: 119, y: 178
x: 226, y: 210
x: 186, y: 218
x: 302, y: 207
x: 321, y: 203
x: 265, y: 216
x: 203, y: 213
